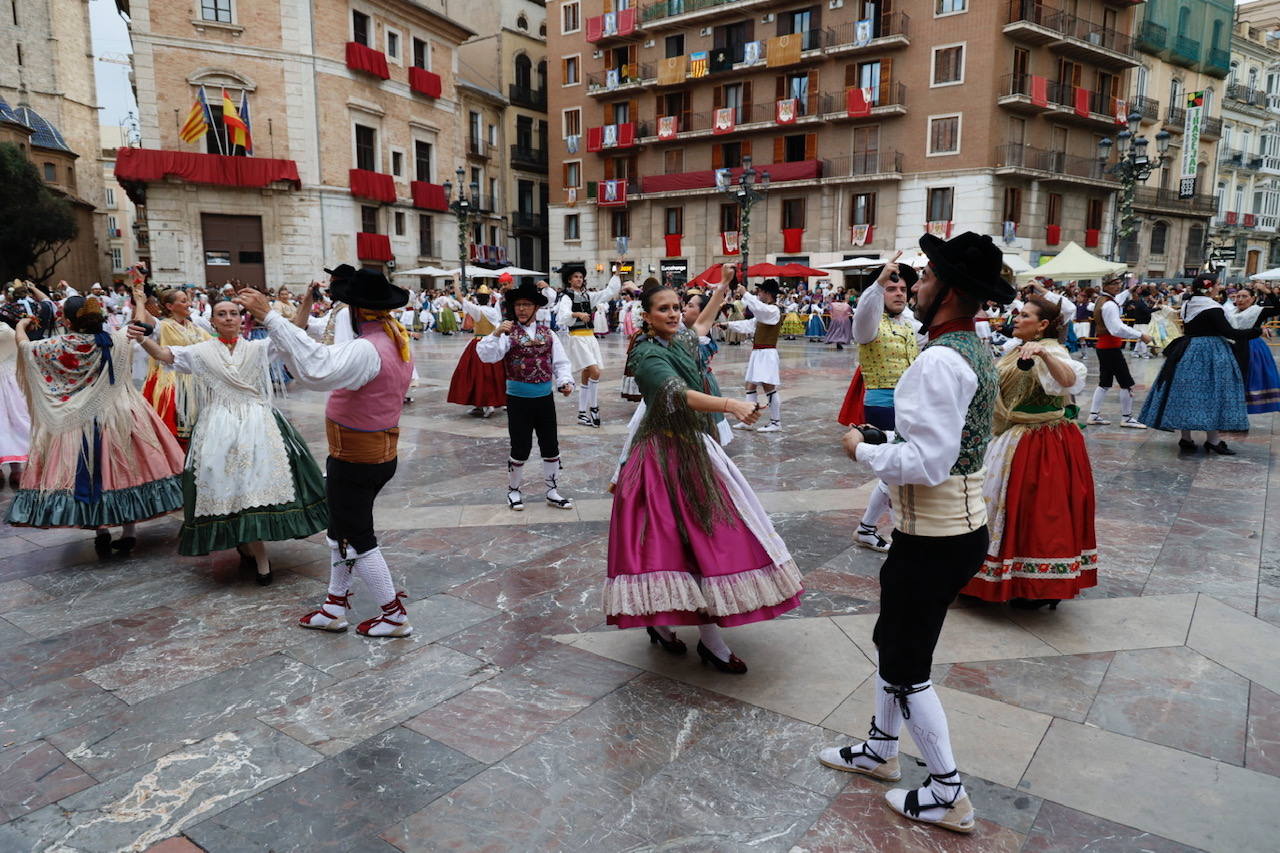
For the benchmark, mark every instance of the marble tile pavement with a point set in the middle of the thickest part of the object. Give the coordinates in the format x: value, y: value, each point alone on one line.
x: 169, y: 703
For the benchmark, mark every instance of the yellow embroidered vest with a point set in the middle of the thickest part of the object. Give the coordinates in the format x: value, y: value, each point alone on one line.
x: 483, y: 327
x: 885, y: 359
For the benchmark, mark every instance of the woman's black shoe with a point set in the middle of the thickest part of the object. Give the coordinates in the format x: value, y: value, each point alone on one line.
x: 1033, y: 603
x: 124, y: 545
x: 1186, y: 445
x: 265, y: 580
x: 733, y: 666
x: 1220, y: 448
x: 673, y: 646
x: 102, y: 543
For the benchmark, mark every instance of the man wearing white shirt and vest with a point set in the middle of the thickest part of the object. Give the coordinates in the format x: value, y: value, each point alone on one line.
x: 573, y: 313
x: 1111, y: 334
x: 945, y: 403
x: 763, y: 363
x: 367, y: 377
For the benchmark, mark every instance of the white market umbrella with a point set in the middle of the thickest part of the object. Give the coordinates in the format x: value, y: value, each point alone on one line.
x: 854, y: 264
x: 1267, y: 275
x: 436, y: 272
x: 518, y: 271
x: 1074, y: 263
x: 1017, y: 263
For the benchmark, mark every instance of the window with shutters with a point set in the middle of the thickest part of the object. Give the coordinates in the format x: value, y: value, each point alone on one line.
x: 569, y: 70
x: 866, y: 151
x: 803, y: 21
x: 862, y: 210
x: 948, y: 65
x: 730, y: 217
x: 1012, y: 205
x: 620, y: 169
x: 941, y: 203
x: 673, y: 161
x: 874, y: 75
x: 572, y: 121
x: 731, y: 96
x: 369, y: 218
x: 570, y: 20
x: 621, y: 112
x: 573, y: 173
x: 1093, y: 218
x: 793, y: 148
x: 944, y: 135
x: 793, y: 213
x: 366, y: 148
x: 360, y: 28
x: 673, y: 220
x: 620, y: 224
x: 675, y: 104
x: 1053, y: 213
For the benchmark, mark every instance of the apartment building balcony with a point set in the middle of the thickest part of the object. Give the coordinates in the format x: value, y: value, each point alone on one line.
x: 611, y: 137
x: 702, y: 182
x: 889, y: 99
x: 1039, y: 23
x: 529, y: 158
x: 613, y: 27
x: 1152, y: 37
x: 625, y: 78
x: 1184, y: 51
x: 674, y: 14
x: 1242, y: 94
x: 1016, y: 158
x: 477, y: 148
x: 1218, y: 62
x: 1175, y: 120
x: 1022, y: 92
x: 1148, y: 108
x: 527, y: 97
x: 886, y: 32
x: 1211, y: 127
x: 1233, y: 159
x: 527, y: 221
x: 1167, y: 201
x: 864, y: 166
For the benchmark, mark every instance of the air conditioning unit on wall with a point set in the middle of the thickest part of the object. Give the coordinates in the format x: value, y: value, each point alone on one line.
x: 597, y: 54
x: 705, y: 31
x: 836, y: 4
x: 767, y: 19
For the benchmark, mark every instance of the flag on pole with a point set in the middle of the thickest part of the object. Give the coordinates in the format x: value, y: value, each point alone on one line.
x: 237, y: 130
x: 196, y: 125
x: 248, y: 125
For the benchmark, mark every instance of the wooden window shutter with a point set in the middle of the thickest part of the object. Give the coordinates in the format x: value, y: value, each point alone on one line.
x: 886, y: 81
x: 608, y: 6
x: 717, y: 156
x: 779, y: 149
x: 633, y: 110
x: 746, y: 101
x: 564, y: 177
x: 886, y: 15
x: 781, y: 90
x: 812, y: 106
x: 851, y: 75
x: 564, y: 71
x: 717, y: 97
x: 608, y: 168
x: 811, y: 146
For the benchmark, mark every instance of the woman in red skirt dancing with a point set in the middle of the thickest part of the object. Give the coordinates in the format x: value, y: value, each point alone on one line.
x: 1039, y: 486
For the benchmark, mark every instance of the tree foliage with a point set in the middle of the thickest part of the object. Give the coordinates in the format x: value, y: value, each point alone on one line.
x: 36, y: 225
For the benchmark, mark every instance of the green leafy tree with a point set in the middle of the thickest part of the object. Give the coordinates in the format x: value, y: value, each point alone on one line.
x: 36, y: 225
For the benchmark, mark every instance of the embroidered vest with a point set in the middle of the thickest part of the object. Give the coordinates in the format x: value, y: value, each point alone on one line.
x: 377, y: 404
x: 581, y: 300
x: 529, y: 359
x: 1105, y: 340
x: 976, y: 434
x: 885, y: 359
x: 766, y: 336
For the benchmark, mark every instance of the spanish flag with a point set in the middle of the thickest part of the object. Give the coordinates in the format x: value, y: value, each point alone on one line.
x: 196, y: 126
x: 237, y: 130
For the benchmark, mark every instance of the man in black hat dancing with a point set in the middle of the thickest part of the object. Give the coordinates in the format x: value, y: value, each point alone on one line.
x: 944, y: 405
x: 368, y: 377
x: 574, y: 312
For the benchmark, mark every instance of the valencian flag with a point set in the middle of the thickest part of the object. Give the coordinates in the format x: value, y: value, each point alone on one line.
x: 699, y: 64
x: 196, y: 124
x: 237, y: 128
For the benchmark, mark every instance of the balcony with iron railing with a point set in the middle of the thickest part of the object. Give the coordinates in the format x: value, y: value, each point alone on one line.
x: 886, y: 165
x: 478, y: 148
x: 1243, y: 94
x: 527, y: 220
x: 1218, y: 62
x: 888, y: 99
x: 1175, y: 119
x: 1152, y: 37
x: 529, y: 157
x: 527, y: 97
x: 666, y: 14
x: 885, y: 31
x: 1184, y: 51
x: 627, y: 78
x: 1040, y: 23
x: 1150, y: 198
x: 1148, y: 108
x: 1019, y: 158
x: 1017, y: 92
x: 1211, y: 127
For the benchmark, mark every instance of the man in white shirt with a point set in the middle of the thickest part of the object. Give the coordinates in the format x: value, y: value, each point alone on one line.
x: 944, y: 406
x: 763, y: 364
x: 573, y: 313
x: 1111, y: 333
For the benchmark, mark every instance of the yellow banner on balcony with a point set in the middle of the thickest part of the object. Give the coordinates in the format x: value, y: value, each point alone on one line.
x: 784, y: 50
x: 671, y: 70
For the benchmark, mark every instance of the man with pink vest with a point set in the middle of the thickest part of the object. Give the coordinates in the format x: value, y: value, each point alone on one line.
x: 368, y: 377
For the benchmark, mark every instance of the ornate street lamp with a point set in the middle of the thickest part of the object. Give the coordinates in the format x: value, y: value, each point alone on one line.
x: 1132, y: 167
x: 746, y: 193
x: 464, y: 210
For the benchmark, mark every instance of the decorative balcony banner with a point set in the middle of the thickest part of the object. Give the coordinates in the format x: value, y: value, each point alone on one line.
x: 1191, y: 144
x: 626, y: 22
x: 723, y: 178
x: 863, y: 31
x: 1039, y: 90
x: 613, y: 193
x: 612, y: 78
x: 595, y: 138
x: 609, y: 137
x: 571, y: 196
x: 784, y: 50
x: 668, y: 127
x: 753, y: 52
x: 723, y: 121
x: 1082, y: 101
x: 671, y: 71
x: 940, y: 228
x: 609, y: 24
x: 595, y: 28
x: 626, y: 134
x: 721, y: 60
x: 1121, y: 111
x: 792, y: 239
x: 1010, y: 231
x: 785, y: 111
x: 1092, y: 237
x: 1052, y: 235
x: 572, y: 142
x: 363, y: 58
x: 1250, y: 220
x: 858, y: 101
x: 373, y: 247
x: 672, y: 244
x: 861, y: 235
x: 1231, y: 217
x: 729, y: 242
x: 621, y: 245
x: 424, y: 82
x: 699, y: 64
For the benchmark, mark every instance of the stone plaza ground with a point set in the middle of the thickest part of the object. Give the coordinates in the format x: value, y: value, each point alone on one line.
x: 170, y: 703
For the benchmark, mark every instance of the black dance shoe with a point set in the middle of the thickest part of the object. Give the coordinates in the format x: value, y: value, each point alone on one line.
x: 673, y: 646
x: 733, y: 666
x: 264, y: 580
x: 102, y: 543
x: 1186, y: 445
x: 1033, y: 603
x: 1220, y: 448
x: 124, y: 545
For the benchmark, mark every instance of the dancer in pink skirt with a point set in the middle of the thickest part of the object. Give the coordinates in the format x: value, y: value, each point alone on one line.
x: 689, y: 543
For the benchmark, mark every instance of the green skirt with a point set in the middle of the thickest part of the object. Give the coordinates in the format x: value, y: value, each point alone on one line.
x: 306, y: 514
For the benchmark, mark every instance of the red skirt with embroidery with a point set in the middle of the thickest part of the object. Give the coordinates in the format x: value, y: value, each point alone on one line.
x: 475, y: 383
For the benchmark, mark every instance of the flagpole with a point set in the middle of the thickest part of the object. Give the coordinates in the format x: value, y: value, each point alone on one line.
x: 248, y: 124
x: 209, y: 116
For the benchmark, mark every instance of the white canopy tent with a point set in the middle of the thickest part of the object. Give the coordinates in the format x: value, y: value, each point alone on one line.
x: 1267, y: 275
x: 854, y: 264
x: 435, y: 272
x: 1074, y: 263
x: 1017, y: 263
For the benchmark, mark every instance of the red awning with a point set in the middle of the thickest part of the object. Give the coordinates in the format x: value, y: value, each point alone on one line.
x: 428, y: 196
x: 363, y: 58
x: 424, y: 82
x: 373, y: 247
x: 699, y: 180
x: 149, y: 165
x: 374, y: 185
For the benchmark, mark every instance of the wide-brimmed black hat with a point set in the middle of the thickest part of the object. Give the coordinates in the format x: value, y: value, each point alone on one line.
x: 369, y: 289
x: 906, y: 272
x: 971, y: 263
x: 341, y: 271
x: 771, y: 286
x: 567, y: 271
x: 528, y: 291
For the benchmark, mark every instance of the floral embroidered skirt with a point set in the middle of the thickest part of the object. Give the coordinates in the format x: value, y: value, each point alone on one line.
x: 1040, y: 514
x: 739, y: 572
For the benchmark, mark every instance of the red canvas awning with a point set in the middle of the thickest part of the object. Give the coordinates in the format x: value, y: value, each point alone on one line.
x: 363, y: 58
x: 697, y: 180
x: 373, y: 247
x: 374, y: 185
x: 428, y: 196
x: 149, y: 165
x: 424, y: 82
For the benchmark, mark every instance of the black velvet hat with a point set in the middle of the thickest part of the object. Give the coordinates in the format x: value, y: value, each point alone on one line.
x: 527, y: 291
x: 906, y: 272
x: 369, y: 289
x: 566, y: 272
x: 971, y: 263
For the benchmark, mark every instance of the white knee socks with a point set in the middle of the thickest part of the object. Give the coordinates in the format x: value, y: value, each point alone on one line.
x: 515, y: 474
x: 1099, y: 394
x: 751, y: 397
x: 1126, y: 402
x: 775, y: 407
x: 584, y: 393
x: 593, y: 394
x: 371, y: 566
x: 550, y: 468
x: 714, y: 641
x: 877, y: 505
x: 339, y: 569
x: 928, y: 724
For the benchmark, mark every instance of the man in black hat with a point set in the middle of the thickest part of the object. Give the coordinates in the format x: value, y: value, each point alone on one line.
x: 368, y: 377
x: 534, y: 362
x: 944, y: 405
x: 1110, y: 334
x: 763, y: 365
x: 328, y: 328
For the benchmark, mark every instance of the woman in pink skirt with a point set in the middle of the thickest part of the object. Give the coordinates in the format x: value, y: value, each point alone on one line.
x: 689, y: 542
